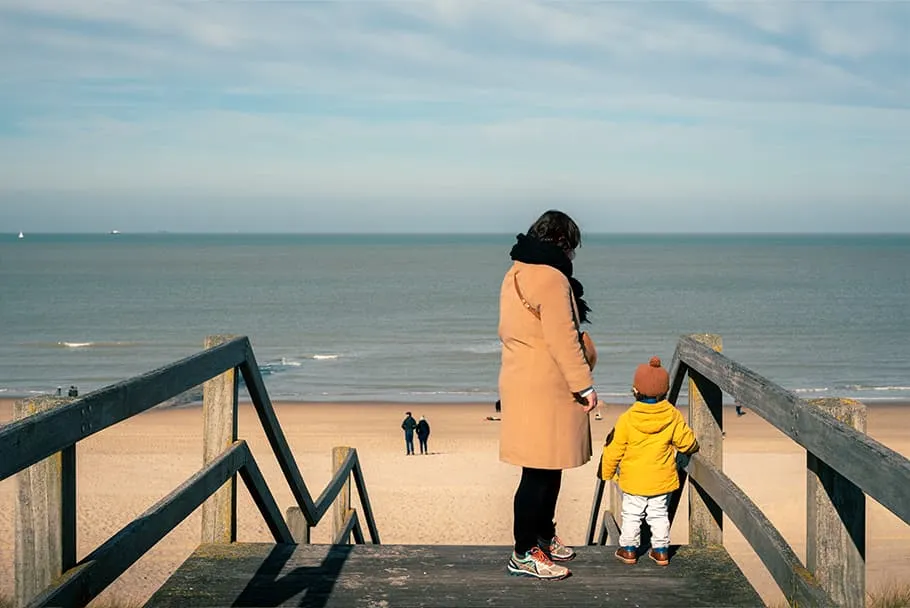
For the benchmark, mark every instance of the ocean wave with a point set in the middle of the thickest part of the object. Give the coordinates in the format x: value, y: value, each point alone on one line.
x: 115, y: 344
x: 472, y: 392
x: 863, y: 387
x: 288, y: 363
x: 487, y: 348
x: 823, y: 389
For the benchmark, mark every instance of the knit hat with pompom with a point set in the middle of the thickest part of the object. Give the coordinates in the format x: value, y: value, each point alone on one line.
x: 651, y: 380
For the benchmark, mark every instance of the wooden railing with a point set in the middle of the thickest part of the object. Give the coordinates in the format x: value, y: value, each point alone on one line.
x: 844, y: 466
x: 40, y: 447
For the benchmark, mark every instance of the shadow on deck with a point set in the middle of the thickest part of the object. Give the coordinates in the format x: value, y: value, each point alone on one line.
x: 254, y: 574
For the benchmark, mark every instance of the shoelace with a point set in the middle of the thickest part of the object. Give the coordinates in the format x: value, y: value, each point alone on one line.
x: 540, y: 556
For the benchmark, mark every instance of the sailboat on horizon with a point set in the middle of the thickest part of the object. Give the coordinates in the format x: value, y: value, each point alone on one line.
x: 21, y: 236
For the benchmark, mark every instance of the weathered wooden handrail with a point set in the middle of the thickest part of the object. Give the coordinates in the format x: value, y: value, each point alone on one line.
x: 27, y: 441
x: 842, y: 462
x: 797, y: 583
x: 879, y: 471
x: 103, y: 565
x: 32, y: 439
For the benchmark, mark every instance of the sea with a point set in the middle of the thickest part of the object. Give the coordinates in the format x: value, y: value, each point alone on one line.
x: 413, y: 318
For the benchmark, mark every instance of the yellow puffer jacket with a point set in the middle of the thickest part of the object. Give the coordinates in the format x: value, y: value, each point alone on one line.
x: 643, y: 448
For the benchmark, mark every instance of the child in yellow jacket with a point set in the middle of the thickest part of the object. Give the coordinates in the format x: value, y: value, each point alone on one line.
x: 644, y: 446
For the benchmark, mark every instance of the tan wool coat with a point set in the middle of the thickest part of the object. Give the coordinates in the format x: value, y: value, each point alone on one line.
x: 542, y: 427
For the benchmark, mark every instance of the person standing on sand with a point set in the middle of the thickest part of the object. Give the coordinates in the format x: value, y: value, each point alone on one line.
x: 423, y: 433
x: 545, y: 386
x: 409, y: 425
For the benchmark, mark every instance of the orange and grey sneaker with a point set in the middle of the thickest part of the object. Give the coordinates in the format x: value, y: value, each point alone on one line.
x: 535, y: 563
x: 627, y: 555
x: 556, y: 550
x: 660, y: 556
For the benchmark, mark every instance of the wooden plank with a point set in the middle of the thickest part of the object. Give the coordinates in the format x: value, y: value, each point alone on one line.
x: 836, y: 517
x: 706, y: 411
x: 312, y: 511
x: 25, y: 442
x: 103, y: 565
x: 365, y: 507
x: 264, y: 501
x: 342, y: 503
x: 68, y: 507
x: 45, y: 532
x: 595, y: 510
x: 346, y: 528
x: 609, y: 533
x: 262, y: 403
x: 879, y: 471
x: 219, y: 420
x: 794, y: 580
x: 358, y: 576
x: 612, y: 515
x: 678, y: 371
x: 332, y: 489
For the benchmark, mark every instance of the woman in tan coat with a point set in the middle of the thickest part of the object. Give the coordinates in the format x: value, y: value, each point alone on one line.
x: 545, y: 385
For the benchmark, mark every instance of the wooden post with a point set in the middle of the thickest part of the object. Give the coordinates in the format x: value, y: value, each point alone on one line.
x: 614, y: 498
x: 342, y: 504
x: 45, y: 544
x: 836, y: 517
x: 219, y: 415
x: 706, y: 419
x: 614, y: 506
x: 300, y: 530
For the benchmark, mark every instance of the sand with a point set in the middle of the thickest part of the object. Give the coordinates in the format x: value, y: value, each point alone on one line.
x: 459, y: 494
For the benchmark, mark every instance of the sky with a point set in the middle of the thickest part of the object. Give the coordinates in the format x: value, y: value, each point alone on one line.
x: 454, y: 115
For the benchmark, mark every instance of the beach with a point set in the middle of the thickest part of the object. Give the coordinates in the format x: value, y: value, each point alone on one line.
x: 458, y: 494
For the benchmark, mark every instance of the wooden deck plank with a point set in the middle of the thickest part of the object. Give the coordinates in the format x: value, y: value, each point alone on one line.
x: 253, y: 574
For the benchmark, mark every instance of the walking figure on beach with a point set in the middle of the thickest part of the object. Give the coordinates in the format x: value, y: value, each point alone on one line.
x: 409, y: 425
x: 545, y: 386
x: 423, y: 433
x: 645, y: 439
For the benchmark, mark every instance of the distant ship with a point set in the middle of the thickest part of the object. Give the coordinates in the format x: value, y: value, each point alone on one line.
x: 21, y: 236
x: 115, y: 232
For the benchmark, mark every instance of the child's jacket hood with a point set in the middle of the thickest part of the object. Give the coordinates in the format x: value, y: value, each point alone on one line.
x: 651, y: 418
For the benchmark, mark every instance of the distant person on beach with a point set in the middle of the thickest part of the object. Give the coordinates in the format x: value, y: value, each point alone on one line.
x: 59, y: 391
x: 423, y: 433
x: 73, y: 392
x: 409, y: 425
x: 545, y: 386
x: 645, y: 441
x: 739, y: 410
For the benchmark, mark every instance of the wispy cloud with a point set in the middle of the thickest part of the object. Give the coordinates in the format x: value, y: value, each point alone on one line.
x: 761, y: 103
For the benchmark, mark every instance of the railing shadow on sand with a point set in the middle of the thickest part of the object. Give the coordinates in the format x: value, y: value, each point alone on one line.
x: 843, y: 466
x: 39, y: 446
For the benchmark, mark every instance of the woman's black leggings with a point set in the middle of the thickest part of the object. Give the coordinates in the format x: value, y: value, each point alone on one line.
x: 535, y: 507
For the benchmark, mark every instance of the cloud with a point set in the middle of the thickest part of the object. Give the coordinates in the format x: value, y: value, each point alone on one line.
x: 692, y: 102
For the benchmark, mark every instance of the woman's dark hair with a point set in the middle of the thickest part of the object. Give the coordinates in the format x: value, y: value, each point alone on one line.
x: 558, y: 228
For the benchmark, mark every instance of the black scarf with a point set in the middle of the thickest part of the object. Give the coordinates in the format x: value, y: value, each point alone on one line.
x: 534, y: 251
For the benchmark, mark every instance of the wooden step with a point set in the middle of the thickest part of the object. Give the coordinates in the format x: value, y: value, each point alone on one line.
x: 349, y: 576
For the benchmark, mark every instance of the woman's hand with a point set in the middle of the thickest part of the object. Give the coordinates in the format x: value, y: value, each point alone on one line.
x: 591, y: 398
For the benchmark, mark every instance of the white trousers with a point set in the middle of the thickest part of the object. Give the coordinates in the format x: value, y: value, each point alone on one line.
x: 655, y: 508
